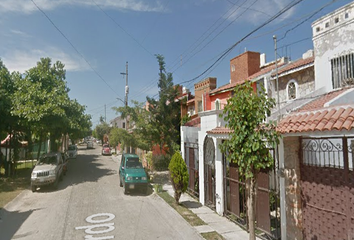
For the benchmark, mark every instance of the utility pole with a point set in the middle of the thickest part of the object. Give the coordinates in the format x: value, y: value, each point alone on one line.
x: 276, y: 73
x: 105, y: 118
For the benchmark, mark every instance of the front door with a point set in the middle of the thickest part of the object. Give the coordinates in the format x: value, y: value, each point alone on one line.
x: 209, y: 172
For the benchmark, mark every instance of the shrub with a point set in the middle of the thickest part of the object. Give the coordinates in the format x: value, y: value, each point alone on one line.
x: 160, y: 162
x: 179, y: 175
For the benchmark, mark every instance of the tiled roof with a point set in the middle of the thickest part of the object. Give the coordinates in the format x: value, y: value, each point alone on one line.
x: 314, y: 116
x: 193, y: 123
x: 190, y: 101
x: 225, y: 87
x: 327, y: 119
x: 264, y: 71
x: 298, y: 63
x: 321, y: 101
x: 220, y: 130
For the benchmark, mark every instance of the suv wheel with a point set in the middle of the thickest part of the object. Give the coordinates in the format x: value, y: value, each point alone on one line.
x: 120, y: 183
x: 55, y: 184
x: 33, y: 187
x: 124, y: 189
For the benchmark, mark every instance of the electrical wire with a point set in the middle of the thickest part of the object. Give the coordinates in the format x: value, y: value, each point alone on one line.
x: 228, y: 50
x: 72, y: 45
x: 308, y: 18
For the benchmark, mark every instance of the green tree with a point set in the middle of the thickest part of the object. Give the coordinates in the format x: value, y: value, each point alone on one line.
x: 248, y: 144
x: 140, y: 126
x: 179, y: 175
x: 41, y: 100
x: 165, y: 112
x: 101, y: 130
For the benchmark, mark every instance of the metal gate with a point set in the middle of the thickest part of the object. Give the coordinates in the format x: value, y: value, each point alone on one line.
x: 327, y: 188
x: 267, y: 205
x: 209, y: 172
x: 191, y: 158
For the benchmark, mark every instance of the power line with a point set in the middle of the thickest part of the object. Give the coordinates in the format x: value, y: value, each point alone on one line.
x: 313, y: 14
x: 117, y: 24
x: 72, y: 45
x: 228, y: 50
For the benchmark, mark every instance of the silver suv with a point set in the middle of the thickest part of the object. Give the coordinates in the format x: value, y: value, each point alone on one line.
x: 48, y: 170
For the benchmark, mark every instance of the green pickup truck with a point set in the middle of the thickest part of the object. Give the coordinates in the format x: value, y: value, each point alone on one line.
x: 132, y: 175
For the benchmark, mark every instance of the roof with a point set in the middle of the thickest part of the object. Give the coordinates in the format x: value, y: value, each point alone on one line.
x: 264, y: 71
x: 220, y: 130
x: 293, y: 65
x: 225, y: 87
x: 315, y: 116
x: 328, y: 119
x: 193, y: 123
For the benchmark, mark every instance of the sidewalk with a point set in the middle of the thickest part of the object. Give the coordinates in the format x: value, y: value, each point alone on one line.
x: 215, y: 222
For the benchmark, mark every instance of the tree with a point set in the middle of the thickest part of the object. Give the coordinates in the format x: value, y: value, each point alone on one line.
x: 248, y: 144
x: 101, y: 130
x: 165, y: 112
x: 140, y: 127
x: 179, y: 175
x: 41, y: 100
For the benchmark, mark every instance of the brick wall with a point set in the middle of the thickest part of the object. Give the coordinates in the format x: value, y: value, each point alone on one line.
x: 203, y: 87
x: 292, y: 188
x: 243, y: 66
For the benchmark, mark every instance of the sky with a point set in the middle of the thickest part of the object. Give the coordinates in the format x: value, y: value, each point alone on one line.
x: 95, y: 39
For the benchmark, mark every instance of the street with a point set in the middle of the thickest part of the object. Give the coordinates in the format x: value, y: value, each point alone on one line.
x: 89, y: 204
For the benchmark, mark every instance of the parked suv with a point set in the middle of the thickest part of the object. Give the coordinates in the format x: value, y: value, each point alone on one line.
x: 132, y: 175
x: 48, y: 170
x: 72, y: 151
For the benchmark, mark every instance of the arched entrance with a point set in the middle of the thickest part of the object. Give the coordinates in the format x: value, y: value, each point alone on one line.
x: 209, y: 172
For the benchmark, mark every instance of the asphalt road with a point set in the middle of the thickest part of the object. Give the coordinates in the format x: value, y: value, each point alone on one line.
x: 89, y: 204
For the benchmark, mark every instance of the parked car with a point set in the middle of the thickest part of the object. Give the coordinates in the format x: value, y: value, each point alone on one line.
x: 89, y: 144
x: 72, y: 151
x: 132, y: 175
x: 106, y: 149
x: 48, y: 170
x: 65, y: 164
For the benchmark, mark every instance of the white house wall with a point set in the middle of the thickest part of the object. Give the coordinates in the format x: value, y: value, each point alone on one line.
x: 188, y: 135
x: 330, y: 42
x: 208, y: 121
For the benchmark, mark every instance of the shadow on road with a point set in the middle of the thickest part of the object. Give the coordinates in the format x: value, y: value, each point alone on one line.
x: 85, y: 168
x: 13, y: 222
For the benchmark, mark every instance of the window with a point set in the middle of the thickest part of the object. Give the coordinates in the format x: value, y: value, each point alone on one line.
x: 232, y: 68
x: 327, y: 24
x: 124, y: 125
x: 336, y: 20
x: 200, y: 106
x: 346, y: 15
x: 217, y: 104
x: 342, y: 69
x: 292, y: 90
x: 318, y: 29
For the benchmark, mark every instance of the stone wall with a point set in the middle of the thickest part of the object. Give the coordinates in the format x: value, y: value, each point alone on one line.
x: 305, y: 80
x: 292, y: 188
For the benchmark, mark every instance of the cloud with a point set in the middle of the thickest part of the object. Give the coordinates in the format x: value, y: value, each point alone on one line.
x: 260, y: 11
x: 21, y: 60
x: 27, y: 6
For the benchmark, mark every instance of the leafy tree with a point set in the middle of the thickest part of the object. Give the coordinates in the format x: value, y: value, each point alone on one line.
x: 41, y: 100
x: 248, y: 144
x: 101, y: 130
x: 179, y: 175
x: 165, y: 112
x: 140, y: 126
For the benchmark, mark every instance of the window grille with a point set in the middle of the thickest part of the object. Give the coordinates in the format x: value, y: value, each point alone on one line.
x: 342, y: 71
x: 291, y: 91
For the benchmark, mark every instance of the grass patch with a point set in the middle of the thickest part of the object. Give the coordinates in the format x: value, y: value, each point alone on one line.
x: 187, y: 214
x: 212, y: 236
x: 12, y: 186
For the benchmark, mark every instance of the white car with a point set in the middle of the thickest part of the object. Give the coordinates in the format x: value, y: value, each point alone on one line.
x: 72, y: 151
x: 89, y: 144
